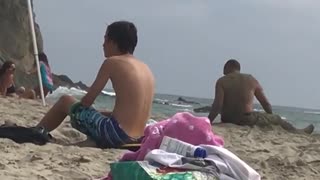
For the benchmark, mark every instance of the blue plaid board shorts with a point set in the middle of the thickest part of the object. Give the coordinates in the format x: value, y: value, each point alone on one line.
x: 104, y: 130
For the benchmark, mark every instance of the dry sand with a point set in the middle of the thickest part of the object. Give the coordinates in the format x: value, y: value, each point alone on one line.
x: 274, y: 154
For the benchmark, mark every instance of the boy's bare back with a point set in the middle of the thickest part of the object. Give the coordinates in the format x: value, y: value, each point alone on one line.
x: 133, y: 83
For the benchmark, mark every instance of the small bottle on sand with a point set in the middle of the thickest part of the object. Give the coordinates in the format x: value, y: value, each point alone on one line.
x: 173, y: 145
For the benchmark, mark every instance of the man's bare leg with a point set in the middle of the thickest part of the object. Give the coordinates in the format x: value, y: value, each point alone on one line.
x: 57, y: 113
x: 264, y: 119
x: 289, y: 127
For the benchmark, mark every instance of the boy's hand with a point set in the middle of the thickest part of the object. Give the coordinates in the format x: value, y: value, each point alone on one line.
x: 86, y: 101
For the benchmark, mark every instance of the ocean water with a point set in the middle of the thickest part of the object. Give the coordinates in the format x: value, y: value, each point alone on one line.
x: 167, y: 105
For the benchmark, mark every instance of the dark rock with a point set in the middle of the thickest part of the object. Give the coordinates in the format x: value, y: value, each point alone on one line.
x: 64, y: 80
x: 180, y: 99
x: 204, y: 109
x: 81, y: 85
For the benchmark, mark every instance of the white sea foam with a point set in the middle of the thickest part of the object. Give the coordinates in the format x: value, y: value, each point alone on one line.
x: 312, y: 112
x: 258, y: 110
x: 160, y: 101
x: 186, y: 110
x: 181, y: 105
x: 108, y: 93
x: 64, y: 90
x: 73, y: 92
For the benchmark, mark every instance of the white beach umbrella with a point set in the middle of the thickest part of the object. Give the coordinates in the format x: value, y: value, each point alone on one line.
x: 35, y: 49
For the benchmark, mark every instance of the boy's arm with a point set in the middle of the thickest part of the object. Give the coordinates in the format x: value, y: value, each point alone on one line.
x: 98, y: 85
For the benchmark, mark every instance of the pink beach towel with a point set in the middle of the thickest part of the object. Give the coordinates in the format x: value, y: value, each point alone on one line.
x: 183, y: 126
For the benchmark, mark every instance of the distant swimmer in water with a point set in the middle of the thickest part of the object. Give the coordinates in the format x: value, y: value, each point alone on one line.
x: 234, y: 98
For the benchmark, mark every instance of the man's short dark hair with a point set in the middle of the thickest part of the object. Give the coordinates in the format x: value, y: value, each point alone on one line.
x: 124, y: 34
x: 233, y: 64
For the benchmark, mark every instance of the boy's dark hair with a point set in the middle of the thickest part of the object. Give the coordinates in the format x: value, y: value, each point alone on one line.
x: 124, y: 34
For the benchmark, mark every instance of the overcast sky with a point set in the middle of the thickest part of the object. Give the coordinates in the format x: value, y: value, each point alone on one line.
x: 187, y: 42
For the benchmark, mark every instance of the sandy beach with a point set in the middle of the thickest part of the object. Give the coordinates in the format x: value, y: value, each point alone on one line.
x: 275, y: 154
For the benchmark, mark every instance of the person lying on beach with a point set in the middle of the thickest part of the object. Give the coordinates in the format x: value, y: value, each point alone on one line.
x: 7, y: 87
x: 234, y: 98
x: 46, y: 75
x: 133, y: 83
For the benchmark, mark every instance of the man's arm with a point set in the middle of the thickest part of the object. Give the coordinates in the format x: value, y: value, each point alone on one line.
x: 99, y: 83
x: 218, y: 102
x: 262, y: 98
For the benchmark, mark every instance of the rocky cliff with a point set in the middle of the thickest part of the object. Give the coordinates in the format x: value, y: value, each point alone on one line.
x: 16, y: 40
x: 16, y: 43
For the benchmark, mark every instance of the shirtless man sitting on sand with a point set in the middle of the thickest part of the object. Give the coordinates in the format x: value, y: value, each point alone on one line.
x: 133, y: 83
x: 234, y: 96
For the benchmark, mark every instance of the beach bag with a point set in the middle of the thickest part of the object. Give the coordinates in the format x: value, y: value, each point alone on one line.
x: 143, y: 170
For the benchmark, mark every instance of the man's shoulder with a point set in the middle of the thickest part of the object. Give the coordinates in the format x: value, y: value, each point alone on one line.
x: 228, y: 77
x: 245, y: 74
x: 242, y: 75
x: 250, y: 77
x: 221, y: 80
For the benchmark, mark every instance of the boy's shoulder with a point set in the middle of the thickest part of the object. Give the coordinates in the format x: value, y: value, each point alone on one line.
x: 122, y: 60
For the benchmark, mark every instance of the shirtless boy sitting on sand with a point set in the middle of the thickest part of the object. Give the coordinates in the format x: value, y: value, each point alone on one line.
x: 133, y: 83
x: 234, y: 97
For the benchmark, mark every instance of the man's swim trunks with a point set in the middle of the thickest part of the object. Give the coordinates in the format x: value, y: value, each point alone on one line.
x: 259, y: 119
